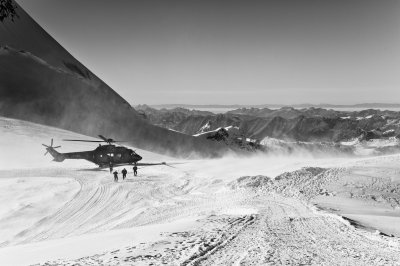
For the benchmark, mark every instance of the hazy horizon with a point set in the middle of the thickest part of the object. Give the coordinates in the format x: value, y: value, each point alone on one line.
x: 277, y: 104
x: 232, y: 52
x: 219, y: 108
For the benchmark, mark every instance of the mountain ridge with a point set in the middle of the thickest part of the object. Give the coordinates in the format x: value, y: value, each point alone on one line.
x: 307, y: 124
x: 274, y: 106
x: 43, y: 83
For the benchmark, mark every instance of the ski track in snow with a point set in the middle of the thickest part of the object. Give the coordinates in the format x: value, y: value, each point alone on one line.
x: 234, y: 225
x: 283, y: 231
x: 101, y: 204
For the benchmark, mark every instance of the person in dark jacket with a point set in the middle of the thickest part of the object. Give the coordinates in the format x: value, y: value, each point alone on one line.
x: 135, y: 170
x: 124, y: 172
x: 115, y: 176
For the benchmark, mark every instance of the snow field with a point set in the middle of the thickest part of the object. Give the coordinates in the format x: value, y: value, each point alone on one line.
x: 230, y: 211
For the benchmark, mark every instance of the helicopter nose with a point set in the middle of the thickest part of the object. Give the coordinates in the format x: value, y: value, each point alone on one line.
x: 138, y: 157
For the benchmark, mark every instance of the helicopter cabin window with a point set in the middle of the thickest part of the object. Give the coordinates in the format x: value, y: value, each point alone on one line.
x: 118, y: 155
x: 110, y: 154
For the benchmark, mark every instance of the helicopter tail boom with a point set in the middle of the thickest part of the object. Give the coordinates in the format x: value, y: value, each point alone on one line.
x: 57, y: 157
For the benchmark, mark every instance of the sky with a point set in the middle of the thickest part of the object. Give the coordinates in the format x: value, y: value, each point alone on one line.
x: 233, y: 52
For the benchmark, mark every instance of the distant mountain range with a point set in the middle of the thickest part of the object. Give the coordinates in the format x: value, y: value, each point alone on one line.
x: 287, y: 123
x: 274, y: 106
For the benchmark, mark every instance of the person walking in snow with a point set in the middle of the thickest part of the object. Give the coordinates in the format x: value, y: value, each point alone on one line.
x: 115, y: 176
x: 135, y: 170
x: 124, y: 172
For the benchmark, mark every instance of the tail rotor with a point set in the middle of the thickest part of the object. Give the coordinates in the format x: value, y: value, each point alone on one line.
x: 50, y: 147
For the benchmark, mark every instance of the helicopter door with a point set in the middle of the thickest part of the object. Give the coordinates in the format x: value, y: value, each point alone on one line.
x: 103, y: 158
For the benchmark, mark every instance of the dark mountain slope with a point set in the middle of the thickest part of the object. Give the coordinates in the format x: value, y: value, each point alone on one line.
x: 25, y: 34
x: 41, y: 82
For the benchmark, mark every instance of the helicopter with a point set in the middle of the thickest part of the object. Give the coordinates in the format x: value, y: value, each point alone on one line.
x: 104, y: 156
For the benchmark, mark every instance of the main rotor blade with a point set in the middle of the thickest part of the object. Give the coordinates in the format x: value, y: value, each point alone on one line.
x: 45, y: 145
x: 51, y: 145
x: 56, y: 147
x: 110, y: 140
x: 46, y: 153
x: 103, y: 138
x: 83, y: 140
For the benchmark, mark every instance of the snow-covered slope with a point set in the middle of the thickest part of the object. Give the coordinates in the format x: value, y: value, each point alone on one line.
x: 207, y: 126
x: 35, y: 189
x: 202, y: 212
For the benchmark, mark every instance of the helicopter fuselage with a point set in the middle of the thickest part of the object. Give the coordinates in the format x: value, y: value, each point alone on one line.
x: 103, y: 155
